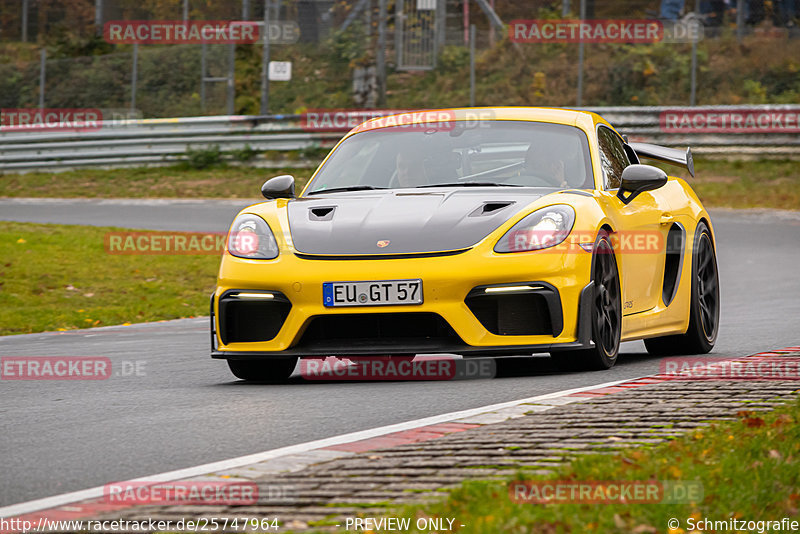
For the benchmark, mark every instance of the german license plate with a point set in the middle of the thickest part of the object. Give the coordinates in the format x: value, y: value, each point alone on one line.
x: 372, y: 293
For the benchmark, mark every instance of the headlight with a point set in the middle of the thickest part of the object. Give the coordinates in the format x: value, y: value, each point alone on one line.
x: 251, y: 238
x: 544, y: 228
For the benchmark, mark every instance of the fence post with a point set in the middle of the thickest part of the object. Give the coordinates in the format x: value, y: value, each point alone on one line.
x: 491, y: 28
x: 42, y: 76
x: 98, y: 17
x: 380, y: 56
x: 399, y: 28
x: 368, y: 20
x: 231, y: 76
x: 472, y: 65
x: 203, y: 69
x: 739, y: 19
x: 441, y: 23
x: 580, y: 59
x: 24, y: 21
x: 134, y: 76
x: 466, y: 21
x: 693, y: 87
x: 265, y: 62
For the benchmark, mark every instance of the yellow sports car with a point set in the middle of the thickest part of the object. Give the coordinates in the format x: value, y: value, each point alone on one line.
x: 480, y: 231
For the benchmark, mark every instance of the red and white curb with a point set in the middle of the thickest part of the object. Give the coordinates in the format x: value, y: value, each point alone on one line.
x: 90, y: 502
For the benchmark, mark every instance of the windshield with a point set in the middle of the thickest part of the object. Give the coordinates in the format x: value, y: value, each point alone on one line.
x: 491, y: 153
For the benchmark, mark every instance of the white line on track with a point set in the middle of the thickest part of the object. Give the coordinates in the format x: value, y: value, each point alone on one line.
x: 97, y: 492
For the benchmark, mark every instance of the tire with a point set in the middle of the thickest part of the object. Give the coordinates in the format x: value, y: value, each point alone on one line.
x: 606, y: 315
x: 268, y: 370
x: 704, y: 310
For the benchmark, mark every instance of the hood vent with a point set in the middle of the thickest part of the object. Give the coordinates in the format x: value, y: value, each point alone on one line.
x: 491, y: 208
x: 352, y: 224
x: 321, y: 214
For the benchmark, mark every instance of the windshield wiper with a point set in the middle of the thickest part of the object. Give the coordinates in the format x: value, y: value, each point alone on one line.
x: 469, y: 184
x: 348, y: 188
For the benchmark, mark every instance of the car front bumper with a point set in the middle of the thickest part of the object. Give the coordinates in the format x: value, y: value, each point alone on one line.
x: 450, y: 282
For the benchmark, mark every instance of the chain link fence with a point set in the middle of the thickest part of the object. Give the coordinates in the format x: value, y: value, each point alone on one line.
x: 168, y: 82
x: 335, y: 58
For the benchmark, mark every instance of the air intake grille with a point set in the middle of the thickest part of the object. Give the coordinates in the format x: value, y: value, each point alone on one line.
x: 243, y: 321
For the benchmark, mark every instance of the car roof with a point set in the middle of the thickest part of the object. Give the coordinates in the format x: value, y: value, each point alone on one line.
x: 585, y: 120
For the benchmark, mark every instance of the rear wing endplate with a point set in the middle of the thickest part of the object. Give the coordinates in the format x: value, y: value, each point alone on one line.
x: 672, y: 156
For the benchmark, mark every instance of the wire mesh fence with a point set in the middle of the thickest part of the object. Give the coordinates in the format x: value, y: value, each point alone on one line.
x: 336, y: 67
x: 168, y: 82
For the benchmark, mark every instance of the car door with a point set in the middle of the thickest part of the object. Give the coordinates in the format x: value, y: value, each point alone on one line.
x: 640, y: 235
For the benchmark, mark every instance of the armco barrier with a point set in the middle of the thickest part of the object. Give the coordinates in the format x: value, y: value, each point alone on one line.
x: 724, y: 131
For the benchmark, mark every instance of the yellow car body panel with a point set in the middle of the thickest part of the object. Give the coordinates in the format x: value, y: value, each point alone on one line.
x: 447, y: 279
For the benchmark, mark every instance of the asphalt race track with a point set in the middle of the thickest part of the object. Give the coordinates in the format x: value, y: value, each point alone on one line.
x: 186, y: 409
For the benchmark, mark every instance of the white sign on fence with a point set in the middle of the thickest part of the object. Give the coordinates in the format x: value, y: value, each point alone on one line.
x: 280, y: 71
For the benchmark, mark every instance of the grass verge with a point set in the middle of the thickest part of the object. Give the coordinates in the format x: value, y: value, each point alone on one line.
x: 749, y: 469
x: 59, y: 277
x: 179, y: 181
x: 745, y: 184
x: 719, y: 183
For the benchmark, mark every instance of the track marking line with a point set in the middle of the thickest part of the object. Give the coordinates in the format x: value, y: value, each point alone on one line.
x: 242, y: 461
x: 360, y: 441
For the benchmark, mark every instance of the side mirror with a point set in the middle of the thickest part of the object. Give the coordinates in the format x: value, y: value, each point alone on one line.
x: 639, y: 178
x: 279, y: 187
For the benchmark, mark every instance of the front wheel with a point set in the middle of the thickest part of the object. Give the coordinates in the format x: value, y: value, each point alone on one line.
x: 606, y: 315
x: 270, y: 369
x: 704, y: 310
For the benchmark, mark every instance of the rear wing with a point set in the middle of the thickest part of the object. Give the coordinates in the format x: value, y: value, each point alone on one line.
x: 672, y: 156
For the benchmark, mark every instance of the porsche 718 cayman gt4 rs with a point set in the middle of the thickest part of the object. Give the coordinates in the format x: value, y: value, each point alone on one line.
x: 487, y: 231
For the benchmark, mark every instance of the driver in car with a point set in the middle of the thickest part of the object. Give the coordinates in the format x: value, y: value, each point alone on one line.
x: 410, y: 170
x: 555, y: 162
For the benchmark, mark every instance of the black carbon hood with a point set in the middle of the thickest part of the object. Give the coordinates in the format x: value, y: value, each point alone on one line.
x: 402, y: 221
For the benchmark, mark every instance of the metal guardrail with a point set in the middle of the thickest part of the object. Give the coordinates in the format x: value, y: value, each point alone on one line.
x: 165, y: 141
